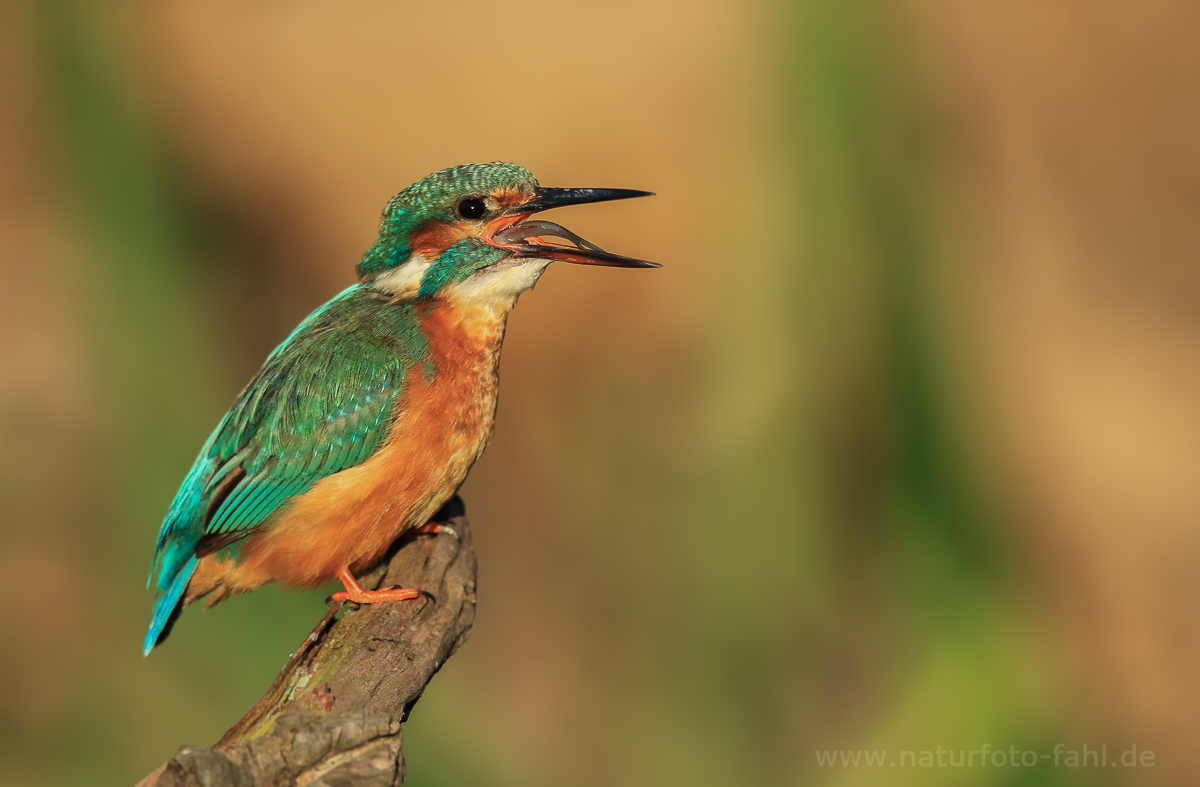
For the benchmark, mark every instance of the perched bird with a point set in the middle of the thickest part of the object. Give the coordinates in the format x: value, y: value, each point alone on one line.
x: 365, y: 421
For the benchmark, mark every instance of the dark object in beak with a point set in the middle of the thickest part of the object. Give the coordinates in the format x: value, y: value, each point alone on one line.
x: 545, y: 199
x: 582, y: 253
x: 582, y: 256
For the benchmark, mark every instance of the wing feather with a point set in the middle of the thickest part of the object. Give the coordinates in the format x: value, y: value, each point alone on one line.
x: 323, y: 402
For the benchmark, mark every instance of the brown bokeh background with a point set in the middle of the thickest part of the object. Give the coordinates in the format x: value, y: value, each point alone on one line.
x: 899, y: 450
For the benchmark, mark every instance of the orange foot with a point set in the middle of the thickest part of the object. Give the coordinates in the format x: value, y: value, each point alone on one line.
x: 354, y: 591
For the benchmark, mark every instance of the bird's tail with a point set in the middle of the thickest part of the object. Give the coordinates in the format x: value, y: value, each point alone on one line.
x: 166, y: 603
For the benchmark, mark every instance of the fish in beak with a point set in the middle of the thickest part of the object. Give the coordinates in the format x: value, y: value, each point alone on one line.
x: 513, y: 231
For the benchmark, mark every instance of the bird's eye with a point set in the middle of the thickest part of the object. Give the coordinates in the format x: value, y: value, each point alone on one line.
x: 472, y: 208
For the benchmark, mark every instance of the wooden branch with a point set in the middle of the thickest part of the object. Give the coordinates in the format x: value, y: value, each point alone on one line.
x: 333, y: 715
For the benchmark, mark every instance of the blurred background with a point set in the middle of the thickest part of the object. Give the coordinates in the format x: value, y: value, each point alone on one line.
x: 899, y: 450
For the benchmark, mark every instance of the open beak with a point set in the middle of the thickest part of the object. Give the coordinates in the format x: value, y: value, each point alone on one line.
x: 514, y: 233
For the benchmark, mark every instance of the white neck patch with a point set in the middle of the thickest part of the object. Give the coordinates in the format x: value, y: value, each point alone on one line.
x: 403, y: 281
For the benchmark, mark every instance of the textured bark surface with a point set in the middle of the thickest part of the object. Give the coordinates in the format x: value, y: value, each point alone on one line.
x: 333, y: 715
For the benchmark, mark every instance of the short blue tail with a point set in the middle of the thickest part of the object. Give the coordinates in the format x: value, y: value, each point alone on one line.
x: 165, y: 604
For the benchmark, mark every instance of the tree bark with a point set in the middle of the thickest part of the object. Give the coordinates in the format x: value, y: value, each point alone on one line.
x: 333, y: 715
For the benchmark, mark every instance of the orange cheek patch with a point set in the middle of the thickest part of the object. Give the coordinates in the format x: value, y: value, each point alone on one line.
x: 434, y: 237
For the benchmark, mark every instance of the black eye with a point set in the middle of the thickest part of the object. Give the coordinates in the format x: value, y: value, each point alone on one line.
x: 472, y: 208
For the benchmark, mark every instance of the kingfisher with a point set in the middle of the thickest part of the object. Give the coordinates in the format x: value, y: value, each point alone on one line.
x: 367, y: 418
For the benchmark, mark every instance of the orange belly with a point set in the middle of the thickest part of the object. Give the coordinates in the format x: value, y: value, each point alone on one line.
x: 443, y: 422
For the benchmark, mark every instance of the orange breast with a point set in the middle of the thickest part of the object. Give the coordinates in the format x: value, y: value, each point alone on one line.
x: 443, y: 423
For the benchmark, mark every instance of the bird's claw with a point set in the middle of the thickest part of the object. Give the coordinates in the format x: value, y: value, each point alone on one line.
x: 415, y: 591
x: 394, y: 593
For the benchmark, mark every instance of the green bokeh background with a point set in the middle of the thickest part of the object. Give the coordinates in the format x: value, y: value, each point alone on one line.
x: 760, y: 506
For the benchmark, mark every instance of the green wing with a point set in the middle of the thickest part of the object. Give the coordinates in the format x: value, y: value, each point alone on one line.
x: 321, y: 406
x: 323, y: 402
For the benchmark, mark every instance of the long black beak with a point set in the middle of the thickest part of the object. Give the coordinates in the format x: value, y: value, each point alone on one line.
x: 545, y: 199
x: 582, y: 252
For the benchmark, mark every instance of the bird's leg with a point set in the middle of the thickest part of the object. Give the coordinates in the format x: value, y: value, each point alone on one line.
x: 354, y: 591
x: 432, y: 529
x: 438, y: 524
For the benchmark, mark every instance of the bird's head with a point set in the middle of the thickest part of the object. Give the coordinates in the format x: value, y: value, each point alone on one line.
x: 466, y: 233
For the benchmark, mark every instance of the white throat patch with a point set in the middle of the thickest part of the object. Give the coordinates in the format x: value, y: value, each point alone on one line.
x: 496, y: 287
